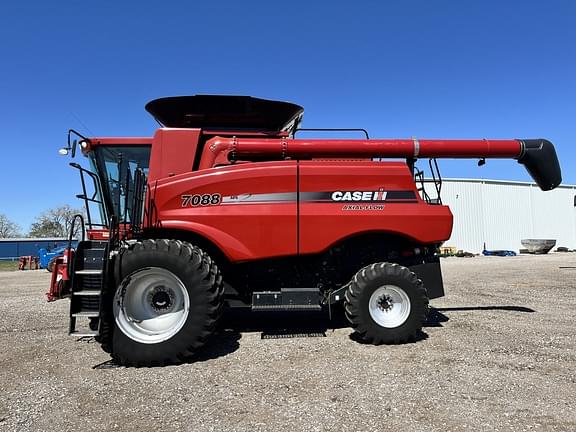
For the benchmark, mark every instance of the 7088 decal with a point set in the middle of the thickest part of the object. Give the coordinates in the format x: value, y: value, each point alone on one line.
x: 201, y: 200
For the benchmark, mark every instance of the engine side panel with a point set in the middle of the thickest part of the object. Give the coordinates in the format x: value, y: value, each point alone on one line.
x: 339, y: 199
x: 250, y: 212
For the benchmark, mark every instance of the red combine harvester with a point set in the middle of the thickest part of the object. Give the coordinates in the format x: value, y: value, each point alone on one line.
x: 224, y: 207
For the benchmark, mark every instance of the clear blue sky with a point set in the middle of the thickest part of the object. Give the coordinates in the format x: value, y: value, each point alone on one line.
x: 431, y: 69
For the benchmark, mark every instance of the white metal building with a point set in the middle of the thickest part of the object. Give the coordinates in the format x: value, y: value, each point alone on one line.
x: 502, y: 213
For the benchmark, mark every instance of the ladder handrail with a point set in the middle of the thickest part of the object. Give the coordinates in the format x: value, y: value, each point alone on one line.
x: 70, y: 236
x: 97, y: 193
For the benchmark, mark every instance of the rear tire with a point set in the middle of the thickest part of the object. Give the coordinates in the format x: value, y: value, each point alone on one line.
x: 167, y: 303
x: 386, y: 304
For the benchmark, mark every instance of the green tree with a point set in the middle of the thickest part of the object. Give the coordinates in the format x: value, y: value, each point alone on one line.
x: 8, y: 228
x: 55, y: 222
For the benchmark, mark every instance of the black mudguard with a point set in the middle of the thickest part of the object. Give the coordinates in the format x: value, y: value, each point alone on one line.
x: 430, y: 274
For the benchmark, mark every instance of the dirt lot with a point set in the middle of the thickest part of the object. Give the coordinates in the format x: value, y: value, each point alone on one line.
x: 499, y: 354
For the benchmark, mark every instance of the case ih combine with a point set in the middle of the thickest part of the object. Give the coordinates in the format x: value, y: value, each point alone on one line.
x: 224, y: 207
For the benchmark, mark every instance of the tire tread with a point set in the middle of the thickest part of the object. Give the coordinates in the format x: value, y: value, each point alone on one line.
x: 208, y: 279
x: 363, y: 280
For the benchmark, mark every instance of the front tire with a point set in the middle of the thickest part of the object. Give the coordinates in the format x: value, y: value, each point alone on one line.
x: 386, y: 304
x: 167, y: 303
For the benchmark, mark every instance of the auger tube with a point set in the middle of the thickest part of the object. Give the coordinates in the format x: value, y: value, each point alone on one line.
x: 537, y: 155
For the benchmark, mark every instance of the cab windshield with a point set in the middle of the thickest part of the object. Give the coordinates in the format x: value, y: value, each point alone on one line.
x: 117, y: 167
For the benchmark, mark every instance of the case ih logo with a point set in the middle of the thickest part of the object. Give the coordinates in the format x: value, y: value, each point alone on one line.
x: 359, y: 196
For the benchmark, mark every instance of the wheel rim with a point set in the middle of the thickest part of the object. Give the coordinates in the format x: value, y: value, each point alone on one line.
x: 151, y: 305
x: 389, y: 306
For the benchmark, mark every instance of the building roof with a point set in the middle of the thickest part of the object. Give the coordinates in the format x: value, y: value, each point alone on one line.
x: 503, y: 182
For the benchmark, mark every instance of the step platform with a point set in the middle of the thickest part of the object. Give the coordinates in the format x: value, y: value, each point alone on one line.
x: 287, y: 299
x: 87, y: 279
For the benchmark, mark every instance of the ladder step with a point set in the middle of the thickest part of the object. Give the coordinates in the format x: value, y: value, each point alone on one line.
x: 84, y: 333
x: 96, y: 249
x: 88, y: 272
x: 91, y: 314
x: 87, y: 292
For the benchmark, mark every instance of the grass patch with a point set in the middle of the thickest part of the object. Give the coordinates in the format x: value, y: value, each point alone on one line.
x: 8, y: 265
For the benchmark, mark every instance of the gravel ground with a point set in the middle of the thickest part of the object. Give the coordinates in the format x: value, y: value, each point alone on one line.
x: 499, y: 354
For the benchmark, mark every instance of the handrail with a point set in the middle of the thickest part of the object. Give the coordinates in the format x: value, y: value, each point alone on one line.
x: 71, y: 235
x: 97, y: 193
x: 136, y: 215
x: 364, y: 131
x: 114, y: 231
x: 419, y: 178
x: 437, y: 181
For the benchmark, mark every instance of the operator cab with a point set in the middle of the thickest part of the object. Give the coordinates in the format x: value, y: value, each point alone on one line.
x: 118, y: 166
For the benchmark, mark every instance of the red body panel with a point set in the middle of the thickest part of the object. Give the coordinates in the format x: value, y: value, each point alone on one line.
x: 115, y: 141
x: 243, y: 228
x: 121, y: 140
x: 257, y: 213
x: 173, y: 152
x: 98, y: 234
x: 325, y: 223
